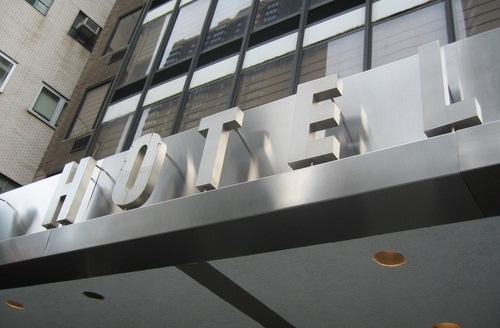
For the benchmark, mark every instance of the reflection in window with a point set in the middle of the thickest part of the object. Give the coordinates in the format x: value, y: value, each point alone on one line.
x: 475, y: 16
x: 343, y: 55
x: 89, y: 110
x: 270, y: 11
x: 400, y: 37
x: 206, y: 100
x: 185, y: 35
x: 123, y: 32
x: 265, y: 82
x: 159, y: 118
x: 111, y: 137
x: 140, y: 61
x: 229, y: 22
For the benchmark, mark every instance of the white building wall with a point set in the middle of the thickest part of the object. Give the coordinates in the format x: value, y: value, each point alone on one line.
x: 44, y: 53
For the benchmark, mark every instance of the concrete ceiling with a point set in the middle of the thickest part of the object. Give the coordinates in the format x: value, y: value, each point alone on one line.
x: 451, y: 275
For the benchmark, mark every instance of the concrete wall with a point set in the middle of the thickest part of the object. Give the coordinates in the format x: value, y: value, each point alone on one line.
x: 44, y: 53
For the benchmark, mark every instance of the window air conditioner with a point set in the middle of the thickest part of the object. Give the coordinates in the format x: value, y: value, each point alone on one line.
x: 87, y: 28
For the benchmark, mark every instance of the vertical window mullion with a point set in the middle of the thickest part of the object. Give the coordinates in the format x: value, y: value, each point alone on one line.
x: 367, y: 50
x: 298, y: 51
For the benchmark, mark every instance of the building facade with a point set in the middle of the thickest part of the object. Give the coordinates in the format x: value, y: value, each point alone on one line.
x: 272, y: 164
x: 44, y: 46
x: 247, y: 54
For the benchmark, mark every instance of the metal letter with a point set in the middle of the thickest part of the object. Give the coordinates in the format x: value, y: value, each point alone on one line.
x: 140, y: 171
x: 69, y: 193
x: 315, y: 110
x: 439, y: 114
x: 215, y: 128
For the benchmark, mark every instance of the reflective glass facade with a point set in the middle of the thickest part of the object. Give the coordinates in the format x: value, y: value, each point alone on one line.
x: 192, y: 58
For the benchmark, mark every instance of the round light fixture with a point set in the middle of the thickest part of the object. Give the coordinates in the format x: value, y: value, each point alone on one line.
x: 389, y: 258
x: 446, y: 325
x: 93, y: 295
x: 14, y: 304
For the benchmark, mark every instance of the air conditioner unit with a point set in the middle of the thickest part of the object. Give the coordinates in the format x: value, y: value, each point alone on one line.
x: 87, y: 28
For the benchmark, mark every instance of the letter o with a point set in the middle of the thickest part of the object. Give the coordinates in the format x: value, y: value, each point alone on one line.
x: 140, y: 172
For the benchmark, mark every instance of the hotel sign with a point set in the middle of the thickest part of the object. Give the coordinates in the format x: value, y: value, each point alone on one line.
x: 327, y: 119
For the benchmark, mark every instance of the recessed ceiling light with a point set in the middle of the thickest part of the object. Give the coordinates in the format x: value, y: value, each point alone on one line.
x: 446, y: 325
x: 93, y: 295
x: 14, y: 305
x: 389, y: 258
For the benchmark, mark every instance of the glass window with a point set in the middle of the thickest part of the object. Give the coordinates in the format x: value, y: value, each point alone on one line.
x: 266, y: 82
x: 111, y: 137
x: 186, y: 32
x: 140, y: 61
x: 343, y: 55
x: 271, y: 11
x: 123, y: 32
x: 229, y: 22
x: 159, y: 118
x: 399, y: 38
x: 90, y: 108
x: 41, y: 5
x: 7, y: 67
x: 206, y: 100
x: 48, y: 105
x: 475, y: 16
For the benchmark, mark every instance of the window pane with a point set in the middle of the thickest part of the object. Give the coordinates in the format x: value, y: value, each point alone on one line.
x: 140, y: 61
x: 111, y: 137
x: 206, y: 100
x: 343, y: 56
x: 159, y: 118
x: 400, y: 37
x: 475, y: 16
x: 265, y: 82
x: 46, y: 104
x: 229, y: 22
x: 123, y: 31
x: 186, y: 32
x: 270, y: 11
x: 89, y: 110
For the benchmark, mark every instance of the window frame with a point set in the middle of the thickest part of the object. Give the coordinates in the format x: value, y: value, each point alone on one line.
x: 9, y: 73
x: 61, y: 104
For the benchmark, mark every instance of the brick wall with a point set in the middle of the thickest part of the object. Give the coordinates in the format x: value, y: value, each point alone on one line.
x: 96, y: 71
x: 44, y: 53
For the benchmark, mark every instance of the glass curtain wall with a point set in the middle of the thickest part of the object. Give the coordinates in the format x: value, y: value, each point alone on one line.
x: 332, y: 44
x: 186, y: 32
